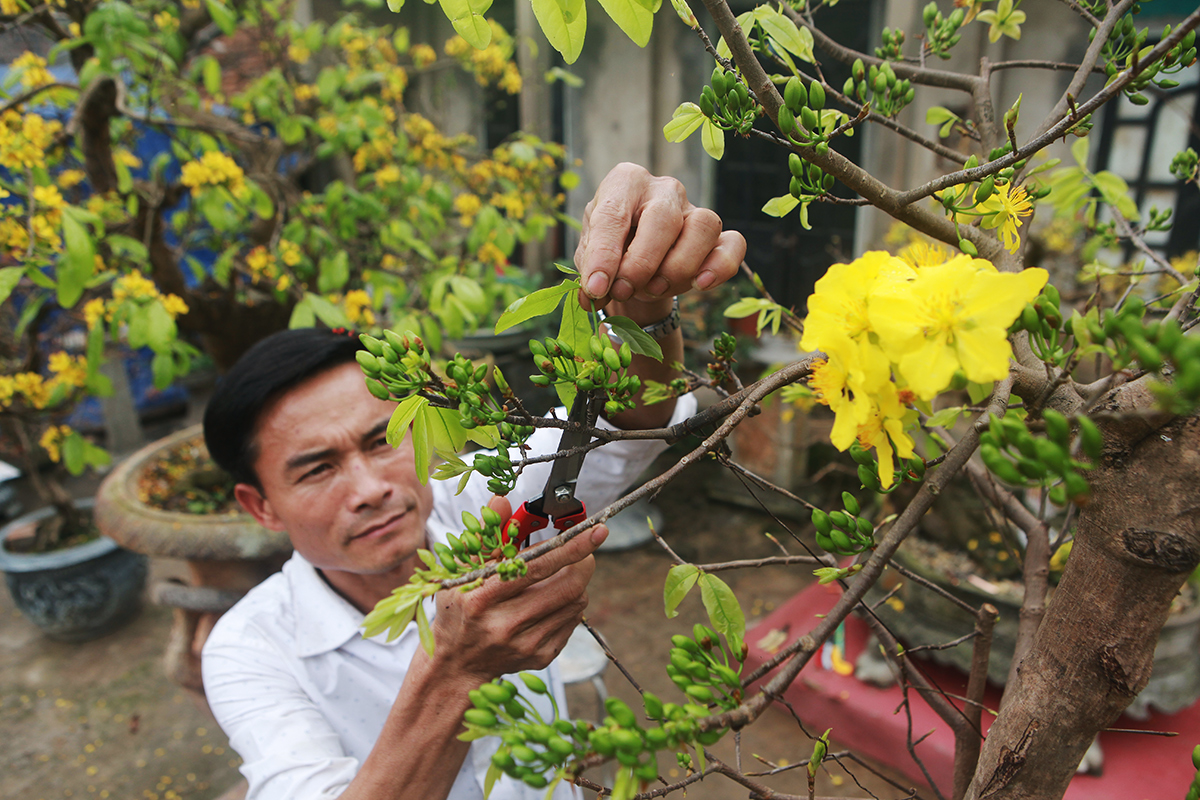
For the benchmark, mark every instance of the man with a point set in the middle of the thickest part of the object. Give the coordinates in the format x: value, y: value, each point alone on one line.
x: 315, y: 710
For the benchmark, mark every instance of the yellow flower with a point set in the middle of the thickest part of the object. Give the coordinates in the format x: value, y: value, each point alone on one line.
x: 884, y: 430
x: 387, y: 175
x: 838, y: 306
x: 127, y: 158
x: 489, y: 253
x: 423, y: 55
x: 952, y: 316
x: 511, y: 80
x: 33, y: 67
x: 10, y: 8
x: 68, y: 370
x: 1003, y: 210
x: 166, y: 21
x: 71, y: 177
x: 52, y: 440
x: 846, y: 381
x: 93, y: 311
x: 289, y: 252
x: 48, y: 198
x: 133, y: 286
x: 358, y: 308
x: 261, y: 263
x: 923, y: 254
x: 305, y: 91
x: 33, y: 387
x: 214, y: 169
x: 174, y: 305
x: 299, y: 52
x: 283, y: 283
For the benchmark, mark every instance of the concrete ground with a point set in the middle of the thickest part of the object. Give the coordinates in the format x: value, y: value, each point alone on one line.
x: 100, y: 719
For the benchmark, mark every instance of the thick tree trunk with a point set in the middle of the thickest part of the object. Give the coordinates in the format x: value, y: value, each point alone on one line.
x: 1138, y: 540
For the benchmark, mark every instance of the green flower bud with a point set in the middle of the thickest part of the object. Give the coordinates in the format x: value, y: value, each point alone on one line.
x: 850, y: 503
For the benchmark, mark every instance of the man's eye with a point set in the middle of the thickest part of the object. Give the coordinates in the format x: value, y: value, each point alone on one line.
x: 380, y: 442
x: 317, y: 470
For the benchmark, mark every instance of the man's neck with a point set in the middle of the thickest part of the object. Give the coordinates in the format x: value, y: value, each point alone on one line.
x: 364, y: 591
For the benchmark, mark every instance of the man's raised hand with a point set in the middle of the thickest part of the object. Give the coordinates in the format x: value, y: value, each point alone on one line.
x: 643, y: 240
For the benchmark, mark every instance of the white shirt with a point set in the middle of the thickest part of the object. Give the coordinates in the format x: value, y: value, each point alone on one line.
x: 303, y: 696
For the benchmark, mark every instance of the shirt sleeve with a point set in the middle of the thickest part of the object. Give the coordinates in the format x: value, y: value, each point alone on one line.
x: 607, y: 472
x: 288, y: 748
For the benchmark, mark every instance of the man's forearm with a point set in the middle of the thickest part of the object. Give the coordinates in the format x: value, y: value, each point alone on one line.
x: 648, y: 313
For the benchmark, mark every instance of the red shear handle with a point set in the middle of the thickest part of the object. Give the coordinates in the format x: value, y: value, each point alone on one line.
x: 571, y: 520
x: 528, y: 518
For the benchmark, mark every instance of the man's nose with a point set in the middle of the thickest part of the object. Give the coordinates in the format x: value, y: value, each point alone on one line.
x: 367, y: 487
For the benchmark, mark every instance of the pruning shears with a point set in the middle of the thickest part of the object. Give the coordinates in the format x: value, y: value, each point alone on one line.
x: 557, y: 503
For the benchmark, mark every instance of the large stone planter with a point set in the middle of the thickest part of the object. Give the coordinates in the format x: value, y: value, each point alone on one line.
x: 226, y: 554
x: 75, y: 594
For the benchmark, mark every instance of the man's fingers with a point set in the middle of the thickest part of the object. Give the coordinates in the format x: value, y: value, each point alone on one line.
x: 611, y: 264
x: 722, y: 263
x: 501, y: 506
x: 572, y: 552
x: 700, y: 233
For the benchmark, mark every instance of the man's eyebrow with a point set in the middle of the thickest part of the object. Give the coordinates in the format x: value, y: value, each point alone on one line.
x: 304, y: 459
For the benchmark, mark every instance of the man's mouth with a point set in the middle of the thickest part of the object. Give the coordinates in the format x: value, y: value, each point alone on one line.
x: 381, y: 527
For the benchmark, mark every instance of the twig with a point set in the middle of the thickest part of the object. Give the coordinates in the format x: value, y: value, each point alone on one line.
x: 611, y: 657
x: 966, y: 746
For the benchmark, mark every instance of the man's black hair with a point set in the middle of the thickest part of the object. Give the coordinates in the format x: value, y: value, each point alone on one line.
x: 269, y: 368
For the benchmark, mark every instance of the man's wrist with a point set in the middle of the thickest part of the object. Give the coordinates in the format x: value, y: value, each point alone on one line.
x: 643, y: 312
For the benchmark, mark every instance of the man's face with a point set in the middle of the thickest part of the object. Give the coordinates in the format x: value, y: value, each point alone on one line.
x: 351, y: 503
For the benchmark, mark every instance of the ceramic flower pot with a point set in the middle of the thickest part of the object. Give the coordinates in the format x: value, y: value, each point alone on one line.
x: 77, y: 593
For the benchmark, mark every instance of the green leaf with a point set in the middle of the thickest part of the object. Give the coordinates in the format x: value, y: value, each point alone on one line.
x: 797, y: 41
x: 334, y: 272
x: 302, y: 315
x: 72, y: 452
x: 1079, y: 151
x: 163, y: 369
x: 395, y: 5
x: 936, y: 115
x: 684, y: 122
x: 713, y: 139
x: 632, y: 17
x: 80, y: 260
x: 211, y: 70
x: 467, y: 18
x: 723, y: 609
x: 402, y: 417
x: 535, y: 304
x: 160, y: 326
x: 423, y: 629
x: 564, y: 24
x: 446, y: 433
x: 781, y: 206
x: 639, y: 341
x: 327, y: 312
x: 494, y: 774
x: 680, y: 580
x: 575, y: 330
x: 1115, y: 192
x: 9, y: 278
x: 945, y: 418
x: 978, y: 392
x: 226, y: 20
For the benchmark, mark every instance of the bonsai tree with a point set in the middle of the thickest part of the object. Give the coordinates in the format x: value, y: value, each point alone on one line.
x: 162, y: 196
x: 1090, y: 401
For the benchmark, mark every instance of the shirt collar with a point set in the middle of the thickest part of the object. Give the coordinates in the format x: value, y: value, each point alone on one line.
x: 323, y: 619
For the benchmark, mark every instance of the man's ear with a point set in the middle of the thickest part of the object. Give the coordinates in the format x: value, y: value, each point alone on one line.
x: 257, y: 506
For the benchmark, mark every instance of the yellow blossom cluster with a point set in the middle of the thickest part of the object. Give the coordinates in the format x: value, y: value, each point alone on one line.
x: 467, y: 205
x: 423, y: 55
x: 433, y: 149
x: 10, y: 8
x: 289, y: 252
x: 166, y: 21
x: 25, y: 139
x: 136, y: 286
x: 299, y: 52
x: 215, y: 169
x: 70, y: 178
x: 378, y: 150
x: 94, y: 311
x: 261, y: 262
x: 36, y: 391
x: 489, y: 253
x: 893, y: 334
x: 492, y: 64
x: 33, y: 70
x: 52, y: 440
x: 305, y: 91
x: 357, y: 304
